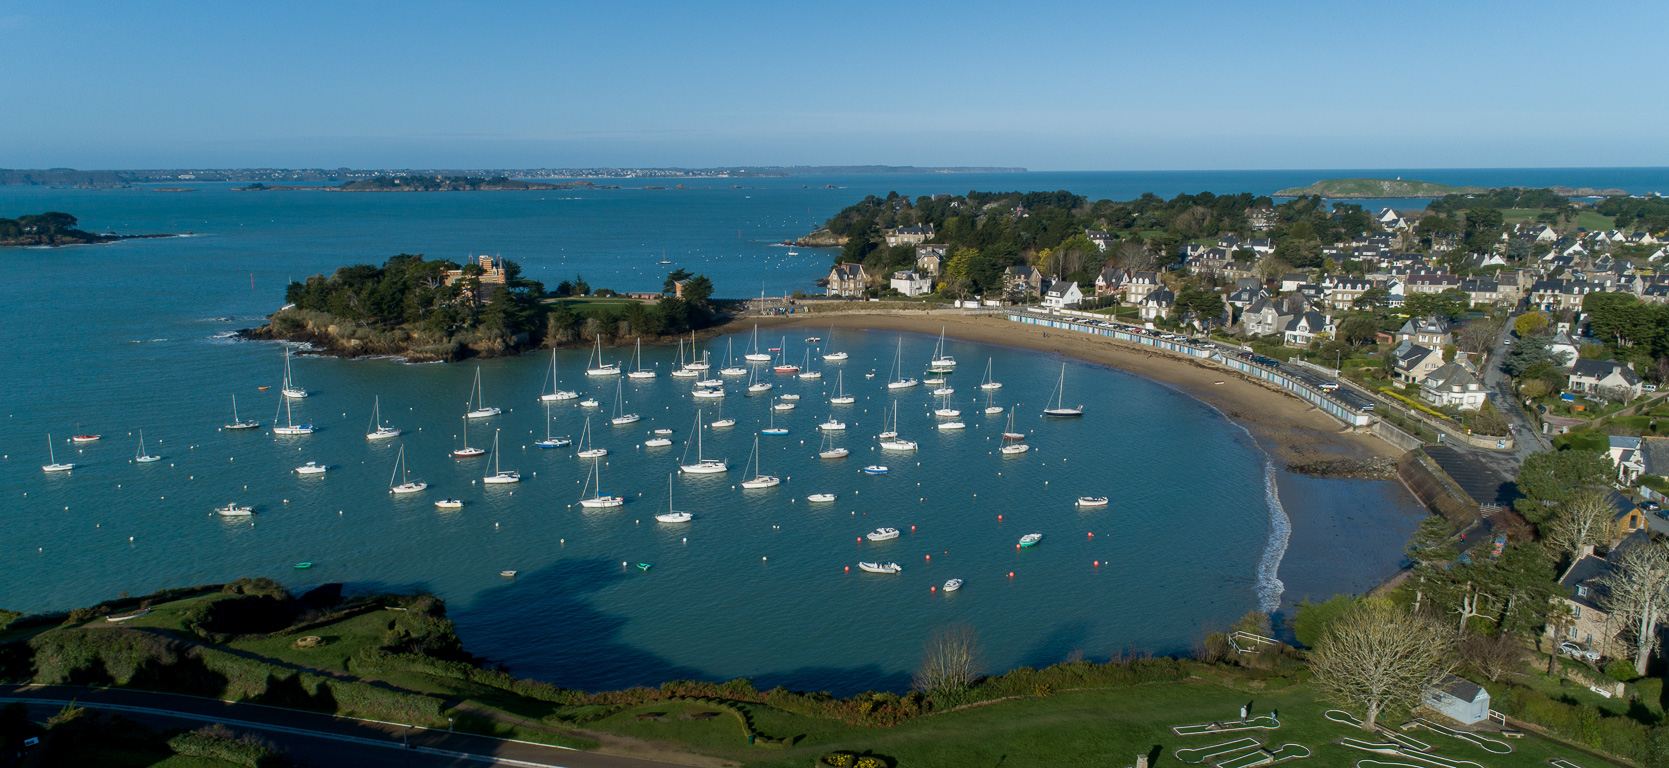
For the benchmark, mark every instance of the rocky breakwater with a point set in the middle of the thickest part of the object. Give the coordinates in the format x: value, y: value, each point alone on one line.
x: 1375, y: 468
x: 337, y: 337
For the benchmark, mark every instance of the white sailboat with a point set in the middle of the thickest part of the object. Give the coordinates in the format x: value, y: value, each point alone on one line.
x: 756, y: 356
x: 683, y: 371
x: 52, y: 464
x: 991, y: 410
x: 289, y: 427
x: 478, y: 400
x: 759, y: 479
x: 379, y: 430
x: 638, y: 372
x: 549, y: 441
x: 698, y: 363
x: 620, y: 415
x: 944, y: 411
x: 467, y: 452
x: 140, y: 456
x: 773, y: 429
x: 833, y: 356
x: 782, y: 406
x: 832, y: 425
x: 757, y: 386
x: 498, y: 476
x: 888, y: 433
x: 586, y: 449
x: 783, y: 366
x: 829, y: 451
x: 702, y: 465
x: 556, y: 394
x: 289, y: 388
x: 595, y: 366
x: 598, y: 500
x: 840, y: 396
x: 671, y: 515
x: 239, y: 423
x: 1060, y: 408
x: 1009, y: 433
x: 896, y: 378
x: 989, y: 383
x: 721, y: 421
x: 406, y: 485
x: 807, y: 372
x: 730, y: 368
x: 941, y: 361
x: 707, y: 393
x: 890, y: 441
x: 1014, y: 449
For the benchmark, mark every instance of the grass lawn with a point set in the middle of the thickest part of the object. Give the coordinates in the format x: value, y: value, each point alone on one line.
x: 341, y: 641
x: 1097, y: 727
x: 1587, y: 219
x: 588, y: 302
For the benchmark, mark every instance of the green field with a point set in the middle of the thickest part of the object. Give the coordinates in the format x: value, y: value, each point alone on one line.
x: 1586, y: 219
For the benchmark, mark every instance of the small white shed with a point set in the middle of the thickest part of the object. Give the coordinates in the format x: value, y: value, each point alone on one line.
x: 1459, y: 699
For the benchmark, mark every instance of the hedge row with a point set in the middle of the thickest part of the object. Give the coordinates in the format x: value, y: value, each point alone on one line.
x: 217, y: 742
x: 1589, y: 726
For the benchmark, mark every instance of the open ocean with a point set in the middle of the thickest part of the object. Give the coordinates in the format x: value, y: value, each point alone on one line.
x: 116, y: 338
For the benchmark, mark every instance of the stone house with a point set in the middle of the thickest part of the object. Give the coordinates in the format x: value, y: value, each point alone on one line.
x: 1414, y: 363
x: 489, y: 282
x: 1594, y: 627
x: 1157, y: 304
x: 915, y: 235
x: 1021, y: 282
x: 1427, y: 332
x: 1110, y: 281
x: 1137, y: 285
x: 848, y: 279
x: 1306, y: 327
x: 1607, y: 378
x: 930, y: 259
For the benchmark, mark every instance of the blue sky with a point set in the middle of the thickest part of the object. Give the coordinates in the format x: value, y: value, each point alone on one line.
x: 1048, y: 86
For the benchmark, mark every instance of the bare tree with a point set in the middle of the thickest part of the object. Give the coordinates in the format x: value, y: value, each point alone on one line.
x: 1381, y: 658
x: 1637, y: 594
x: 1581, y: 522
x: 1133, y: 256
x: 1269, y: 268
x: 1492, y: 655
x: 949, y: 659
x: 1479, y: 336
x: 1560, y: 618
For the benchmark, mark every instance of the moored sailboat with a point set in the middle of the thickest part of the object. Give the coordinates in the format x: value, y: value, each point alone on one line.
x: 406, y: 484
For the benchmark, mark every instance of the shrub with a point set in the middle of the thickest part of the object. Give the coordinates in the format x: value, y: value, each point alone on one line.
x: 217, y: 742
x: 1620, y: 670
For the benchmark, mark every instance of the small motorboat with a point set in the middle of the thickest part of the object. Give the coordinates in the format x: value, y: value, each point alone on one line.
x: 835, y: 356
x: 711, y: 393
x: 783, y: 407
x: 721, y: 423
x: 882, y: 534
x: 507, y: 574
x: 953, y: 585
x: 832, y: 426
x: 312, y: 468
x: 554, y: 442
x: 813, y: 339
x: 897, y: 445
x: 303, y: 565
x: 657, y: 442
x: 890, y: 568
x: 263, y: 389
x: 790, y: 397
x: 663, y: 431
x: 1092, y: 501
x: 1030, y: 539
x: 559, y: 396
x: 821, y: 498
x: 875, y: 469
x: 85, y: 438
x: 834, y: 453
x: 951, y: 425
x: 450, y: 504
x: 674, y: 517
x: 590, y: 402
x: 233, y: 510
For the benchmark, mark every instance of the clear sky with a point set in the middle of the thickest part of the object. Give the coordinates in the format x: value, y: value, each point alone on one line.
x: 1048, y: 86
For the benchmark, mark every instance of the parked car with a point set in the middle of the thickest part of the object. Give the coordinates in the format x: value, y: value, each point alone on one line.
x: 1329, y: 386
x: 1578, y: 652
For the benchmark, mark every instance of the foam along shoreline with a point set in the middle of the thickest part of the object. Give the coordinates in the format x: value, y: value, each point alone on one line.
x: 1288, y: 428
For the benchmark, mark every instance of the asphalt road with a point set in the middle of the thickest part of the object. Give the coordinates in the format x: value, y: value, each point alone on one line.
x: 313, y: 739
x: 1528, y: 438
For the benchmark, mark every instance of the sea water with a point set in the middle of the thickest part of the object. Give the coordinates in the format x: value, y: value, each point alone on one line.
x: 116, y: 338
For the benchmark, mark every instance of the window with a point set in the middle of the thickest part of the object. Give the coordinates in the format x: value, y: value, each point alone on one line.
x: 1581, y: 590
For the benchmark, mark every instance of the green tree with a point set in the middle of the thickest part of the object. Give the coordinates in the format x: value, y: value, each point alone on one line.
x: 1530, y: 323
x: 672, y: 279
x: 1550, y: 478
x: 1311, y: 620
x: 1358, y: 330
x: 699, y: 291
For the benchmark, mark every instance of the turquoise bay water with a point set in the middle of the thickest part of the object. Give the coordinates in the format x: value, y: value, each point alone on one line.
x: 112, y: 339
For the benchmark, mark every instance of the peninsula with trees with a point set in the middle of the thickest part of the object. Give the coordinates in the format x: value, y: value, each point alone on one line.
x: 53, y: 229
x: 431, y: 184
x: 439, y: 310
x: 1336, y: 189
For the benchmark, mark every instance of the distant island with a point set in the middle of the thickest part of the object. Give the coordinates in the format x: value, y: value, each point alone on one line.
x: 1394, y: 188
x: 53, y: 229
x: 71, y: 177
x: 431, y: 184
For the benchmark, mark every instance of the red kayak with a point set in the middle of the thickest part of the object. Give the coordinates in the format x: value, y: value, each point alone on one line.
x: 84, y: 438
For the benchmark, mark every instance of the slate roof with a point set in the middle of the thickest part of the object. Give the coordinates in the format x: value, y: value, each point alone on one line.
x: 1599, y: 369
x: 1460, y: 688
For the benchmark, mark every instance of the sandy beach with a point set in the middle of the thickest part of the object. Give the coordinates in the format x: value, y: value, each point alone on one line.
x: 1290, y: 429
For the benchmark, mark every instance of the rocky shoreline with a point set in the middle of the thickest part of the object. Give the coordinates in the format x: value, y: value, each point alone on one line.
x: 1371, y: 468
x: 822, y: 238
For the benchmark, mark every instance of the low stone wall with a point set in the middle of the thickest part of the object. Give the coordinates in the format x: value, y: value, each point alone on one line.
x: 1396, y: 437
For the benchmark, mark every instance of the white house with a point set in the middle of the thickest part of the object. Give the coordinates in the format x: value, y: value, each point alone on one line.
x: 911, y: 283
x: 1627, y: 457
x: 1061, y: 293
x: 1607, y: 378
x: 1306, y: 327
x: 1157, y: 304
x: 1459, y: 699
x: 1452, y: 385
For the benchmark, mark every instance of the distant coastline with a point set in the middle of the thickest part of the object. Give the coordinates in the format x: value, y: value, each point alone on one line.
x: 70, y: 177
x: 1408, y: 188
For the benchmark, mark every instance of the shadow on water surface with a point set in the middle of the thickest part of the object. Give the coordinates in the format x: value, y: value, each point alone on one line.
x: 562, y: 638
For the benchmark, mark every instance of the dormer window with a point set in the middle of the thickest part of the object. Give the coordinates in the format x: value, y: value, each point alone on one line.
x: 1581, y: 590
